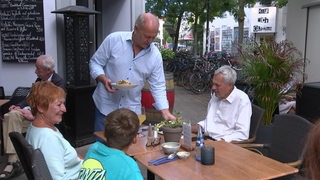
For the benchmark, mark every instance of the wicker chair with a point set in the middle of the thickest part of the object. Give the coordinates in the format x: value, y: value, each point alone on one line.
x: 39, y: 166
x: 289, y: 133
x: 32, y: 161
x: 2, y: 95
x: 19, y: 95
x: 256, y: 117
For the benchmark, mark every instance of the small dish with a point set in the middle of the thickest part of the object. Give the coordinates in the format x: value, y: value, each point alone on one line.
x: 170, y: 147
x: 183, y: 154
x: 123, y: 86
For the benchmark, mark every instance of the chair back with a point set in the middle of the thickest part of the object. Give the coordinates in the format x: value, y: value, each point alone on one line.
x: 289, y: 137
x: 24, y: 151
x: 33, y: 162
x: 39, y: 166
x: 19, y: 95
x: 2, y: 95
x: 256, y: 117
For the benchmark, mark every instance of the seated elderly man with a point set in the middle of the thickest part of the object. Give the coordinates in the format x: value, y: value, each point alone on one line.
x: 229, y: 109
x: 19, y: 116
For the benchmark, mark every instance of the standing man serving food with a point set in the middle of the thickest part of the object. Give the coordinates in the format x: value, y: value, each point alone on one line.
x: 129, y: 56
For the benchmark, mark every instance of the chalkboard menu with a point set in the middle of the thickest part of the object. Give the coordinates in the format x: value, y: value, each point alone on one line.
x: 22, y: 30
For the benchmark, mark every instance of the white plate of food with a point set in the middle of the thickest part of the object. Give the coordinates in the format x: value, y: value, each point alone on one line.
x: 123, y: 84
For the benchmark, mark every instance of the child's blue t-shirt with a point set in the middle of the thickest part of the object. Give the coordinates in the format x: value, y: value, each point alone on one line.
x: 102, y: 162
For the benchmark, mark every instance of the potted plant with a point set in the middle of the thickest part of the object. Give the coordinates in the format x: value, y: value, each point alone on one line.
x: 167, y: 55
x: 268, y: 66
x: 171, y: 129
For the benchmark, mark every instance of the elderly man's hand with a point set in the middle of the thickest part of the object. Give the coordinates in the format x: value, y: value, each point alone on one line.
x: 26, y: 114
x: 14, y: 107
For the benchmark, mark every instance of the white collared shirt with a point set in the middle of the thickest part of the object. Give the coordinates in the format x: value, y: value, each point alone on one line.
x: 114, y: 58
x: 229, y: 118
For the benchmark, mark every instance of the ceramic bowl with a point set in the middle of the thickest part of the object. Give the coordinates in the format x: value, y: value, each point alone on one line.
x: 183, y: 154
x: 170, y: 147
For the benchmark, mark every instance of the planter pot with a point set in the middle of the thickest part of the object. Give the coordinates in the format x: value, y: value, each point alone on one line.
x: 171, y: 134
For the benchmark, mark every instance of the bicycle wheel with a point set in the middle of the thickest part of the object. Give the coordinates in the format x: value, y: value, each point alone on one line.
x: 198, y: 82
x: 185, y: 79
x: 236, y: 67
x: 171, y: 66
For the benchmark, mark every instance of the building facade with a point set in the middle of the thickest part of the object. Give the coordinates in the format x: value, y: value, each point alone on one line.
x: 260, y: 23
x: 114, y: 16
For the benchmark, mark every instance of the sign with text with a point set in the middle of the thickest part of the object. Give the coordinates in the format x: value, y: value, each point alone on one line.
x: 263, y: 19
x: 22, y: 30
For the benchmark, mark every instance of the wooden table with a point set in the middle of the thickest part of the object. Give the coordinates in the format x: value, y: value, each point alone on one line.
x: 231, y: 162
x: 2, y: 101
x: 137, y: 148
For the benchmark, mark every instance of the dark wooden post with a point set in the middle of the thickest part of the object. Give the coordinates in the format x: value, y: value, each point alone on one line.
x: 78, y: 122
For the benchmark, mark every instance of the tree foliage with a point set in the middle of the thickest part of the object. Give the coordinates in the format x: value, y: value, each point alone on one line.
x: 239, y: 14
x: 173, y: 12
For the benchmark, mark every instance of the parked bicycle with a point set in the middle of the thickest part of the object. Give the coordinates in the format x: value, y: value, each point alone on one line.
x: 182, y: 62
x: 200, y: 79
x: 224, y: 58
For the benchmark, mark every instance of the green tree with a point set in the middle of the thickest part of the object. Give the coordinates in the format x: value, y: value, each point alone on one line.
x: 237, y: 10
x: 239, y: 14
x: 171, y: 10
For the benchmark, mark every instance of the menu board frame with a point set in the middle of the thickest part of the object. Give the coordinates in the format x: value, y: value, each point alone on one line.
x: 21, y: 30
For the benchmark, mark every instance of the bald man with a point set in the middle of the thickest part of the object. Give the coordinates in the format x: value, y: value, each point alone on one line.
x: 133, y: 57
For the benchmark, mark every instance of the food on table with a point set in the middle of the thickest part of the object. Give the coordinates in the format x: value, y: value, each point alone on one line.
x: 183, y: 154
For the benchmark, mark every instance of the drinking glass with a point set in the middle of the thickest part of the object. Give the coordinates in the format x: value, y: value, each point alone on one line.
x: 142, y: 117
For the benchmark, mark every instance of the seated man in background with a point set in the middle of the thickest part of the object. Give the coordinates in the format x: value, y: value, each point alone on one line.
x: 287, y: 104
x: 229, y: 109
x: 108, y: 160
x: 19, y: 116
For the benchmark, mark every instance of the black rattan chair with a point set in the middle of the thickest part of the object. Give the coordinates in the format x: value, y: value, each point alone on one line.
x: 289, y: 133
x: 2, y: 95
x: 32, y: 160
x: 19, y: 95
x: 39, y: 166
x: 256, y: 117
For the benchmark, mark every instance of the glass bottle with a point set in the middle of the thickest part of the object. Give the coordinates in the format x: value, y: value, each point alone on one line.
x: 199, y: 144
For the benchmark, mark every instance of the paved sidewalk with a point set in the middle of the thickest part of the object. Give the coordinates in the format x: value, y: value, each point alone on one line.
x: 192, y: 106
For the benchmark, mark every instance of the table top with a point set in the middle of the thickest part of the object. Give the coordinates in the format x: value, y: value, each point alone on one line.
x: 2, y: 101
x: 137, y: 148
x: 231, y: 162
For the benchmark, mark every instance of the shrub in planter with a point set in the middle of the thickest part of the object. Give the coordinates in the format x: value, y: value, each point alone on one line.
x: 268, y: 66
x: 171, y: 129
x: 167, y: 54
